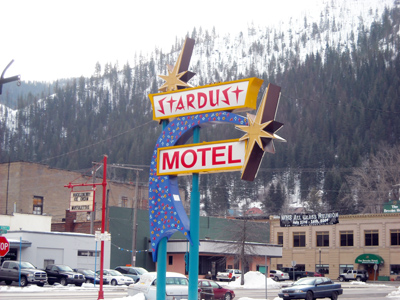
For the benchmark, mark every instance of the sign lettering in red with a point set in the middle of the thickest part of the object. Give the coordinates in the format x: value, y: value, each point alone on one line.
x: 201, y: 158
x: 4, y: 246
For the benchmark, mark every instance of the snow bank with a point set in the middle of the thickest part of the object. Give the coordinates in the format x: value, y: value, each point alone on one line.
x: 394, y: 294
x: 254, y: 280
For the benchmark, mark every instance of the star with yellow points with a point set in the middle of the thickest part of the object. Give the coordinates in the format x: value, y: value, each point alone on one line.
x: 260, y: 131
x: 178, y: 75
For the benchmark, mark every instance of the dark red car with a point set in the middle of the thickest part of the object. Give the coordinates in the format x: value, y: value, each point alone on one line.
x: 210, y: 286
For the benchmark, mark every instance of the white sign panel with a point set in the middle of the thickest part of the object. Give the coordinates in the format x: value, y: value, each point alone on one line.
x: 81, y: 201
x: 201, y: 158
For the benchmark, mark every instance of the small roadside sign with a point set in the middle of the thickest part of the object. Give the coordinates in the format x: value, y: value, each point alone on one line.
x: 4, y: 227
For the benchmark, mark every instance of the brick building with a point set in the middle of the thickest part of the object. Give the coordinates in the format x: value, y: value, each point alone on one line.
x: 32, y: 188
x: 356, y: 242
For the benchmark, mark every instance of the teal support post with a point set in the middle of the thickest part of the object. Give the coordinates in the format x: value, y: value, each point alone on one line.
x: 162, y: 269
x: 194, y: 229
x: 162, y: 259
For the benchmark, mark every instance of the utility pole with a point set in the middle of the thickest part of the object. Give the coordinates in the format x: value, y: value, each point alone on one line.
x: 134, y: 206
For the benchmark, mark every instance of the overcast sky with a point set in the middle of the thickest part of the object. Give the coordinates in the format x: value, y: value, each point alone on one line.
x: 51, y: 39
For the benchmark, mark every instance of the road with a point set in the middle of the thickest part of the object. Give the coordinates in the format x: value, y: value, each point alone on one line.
x: 350, y: 292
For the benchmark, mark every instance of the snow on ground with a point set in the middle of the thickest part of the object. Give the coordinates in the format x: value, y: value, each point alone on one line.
x: 394, y: 294
x: 252, y: 280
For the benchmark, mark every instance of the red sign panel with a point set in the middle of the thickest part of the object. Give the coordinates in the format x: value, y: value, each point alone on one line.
x: 201, y: 158
x: 4, y: 246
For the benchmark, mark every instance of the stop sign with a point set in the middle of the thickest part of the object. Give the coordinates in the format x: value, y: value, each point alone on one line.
x: 4, y: 246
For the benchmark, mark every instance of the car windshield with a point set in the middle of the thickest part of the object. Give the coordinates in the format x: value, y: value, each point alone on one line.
x: 305, y: 281
x: 88, y: 272
x: 115, y: 273
x: 26, y: 265
x: 65, y: 268
x: 174, y: 280
x: 141, y: 271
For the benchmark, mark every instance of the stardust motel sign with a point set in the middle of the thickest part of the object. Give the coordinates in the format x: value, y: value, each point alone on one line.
x: 238, y: 95
x: 201, y: 158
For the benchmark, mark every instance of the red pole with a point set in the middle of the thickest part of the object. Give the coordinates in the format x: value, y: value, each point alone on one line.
x: 103, y: 216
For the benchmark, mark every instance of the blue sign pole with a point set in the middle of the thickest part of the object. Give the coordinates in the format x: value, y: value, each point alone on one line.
x: 194, y: 228
x: 20, y: 257
x: 162, y: 259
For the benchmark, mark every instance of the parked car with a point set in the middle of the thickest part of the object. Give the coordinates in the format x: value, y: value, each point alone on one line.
x: 64, y: 275
x: 115, y: 278
x: 317, y: 274
x: 132, y: 272
x: 359, y: 275
x: 311, y: 288
x: 278, y: 275
x: 229, y: 275
x: 90, y: 276
x: 218, y: 291
x: 177, y: 286
x: 297, y: 274
x: 10, y: 271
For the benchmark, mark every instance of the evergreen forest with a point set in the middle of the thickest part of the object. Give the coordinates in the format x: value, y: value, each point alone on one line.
x: 340, y: 107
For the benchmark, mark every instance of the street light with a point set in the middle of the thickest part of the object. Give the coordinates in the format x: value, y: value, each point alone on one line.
x: 319, y: 258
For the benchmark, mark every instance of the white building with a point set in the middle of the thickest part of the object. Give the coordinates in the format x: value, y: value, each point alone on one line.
x: 30, y: 237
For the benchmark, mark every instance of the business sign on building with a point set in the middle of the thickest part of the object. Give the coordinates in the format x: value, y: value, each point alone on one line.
x: 201, y: 158
x: 239, y: 95
x: 391, y: 207
x: 82, y: 201
x: 309, y: 219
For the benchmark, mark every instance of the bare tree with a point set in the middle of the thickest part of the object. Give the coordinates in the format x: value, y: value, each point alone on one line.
x: 374, y: 183
x: 245, y: 233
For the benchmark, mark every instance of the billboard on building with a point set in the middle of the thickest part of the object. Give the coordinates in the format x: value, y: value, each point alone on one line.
x: 309, y: 219
x: 391, y: 207
x: 81, y: 201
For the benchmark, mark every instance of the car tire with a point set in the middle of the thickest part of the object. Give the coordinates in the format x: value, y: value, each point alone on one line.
x: 8, y: 282
x: 341, y: 278
x: 88, y: 280
x: 334, y: 296
x: 113, y: 282
x: 79, y: 284
x: 276, y: 278
x: 63, y: 281
x: 309, y: 295
x: 358, y: 278
x: 24, y: 281
x: 40, y: 284
x: 228, y: 296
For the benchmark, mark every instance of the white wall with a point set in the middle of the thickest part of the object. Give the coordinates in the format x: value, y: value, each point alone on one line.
x: 62, y: 247
x: 26, y: 222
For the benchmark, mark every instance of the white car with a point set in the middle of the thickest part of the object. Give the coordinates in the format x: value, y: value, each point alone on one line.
x: 116, y: 278
x: 229, y: 275
x: 278, y: 275
x: 177, y: 286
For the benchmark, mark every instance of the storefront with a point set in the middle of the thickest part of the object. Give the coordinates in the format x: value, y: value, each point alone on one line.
x: 372, y: 263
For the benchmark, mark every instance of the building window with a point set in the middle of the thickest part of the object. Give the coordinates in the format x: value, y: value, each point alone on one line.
x: 124, y: 201
x: 322, y: 269
x: 371, y: 238
x: 299, y: 239
x: 394, y: 269
x: 323, y: 239
x: 47, y: 262
x: 279, y: 266
x: 345, y: 268
x: 170, y: 260
x: 346, y: 239
x: 37, y: 205
x: 88, y: 253
x: 395, y: 237
x: 280, y: 238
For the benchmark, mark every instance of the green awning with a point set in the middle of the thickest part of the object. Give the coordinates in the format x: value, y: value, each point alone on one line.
x: 369, y: 259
